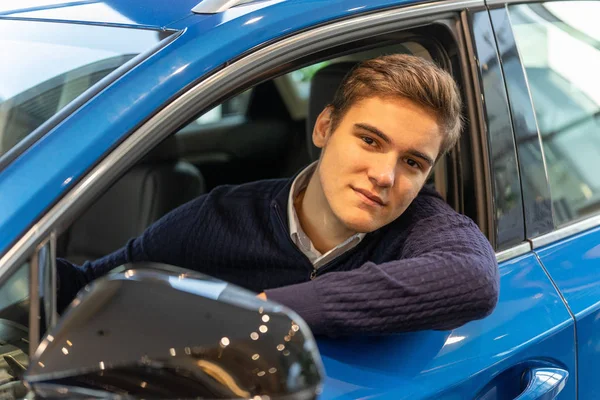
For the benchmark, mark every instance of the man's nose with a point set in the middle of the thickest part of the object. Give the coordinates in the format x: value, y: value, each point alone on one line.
x: 383, y: 173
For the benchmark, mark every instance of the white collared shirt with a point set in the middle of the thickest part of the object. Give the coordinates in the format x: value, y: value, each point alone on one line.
x: 300, y: 238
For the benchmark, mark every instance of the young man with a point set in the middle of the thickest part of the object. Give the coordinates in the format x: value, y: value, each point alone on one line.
x: 354, y: 243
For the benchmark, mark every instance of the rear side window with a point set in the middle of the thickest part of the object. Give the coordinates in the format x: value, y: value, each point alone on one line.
x: 46, y: 65
x: 559, y: 44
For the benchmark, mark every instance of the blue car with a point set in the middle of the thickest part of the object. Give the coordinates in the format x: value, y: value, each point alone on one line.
x: 113, y: 112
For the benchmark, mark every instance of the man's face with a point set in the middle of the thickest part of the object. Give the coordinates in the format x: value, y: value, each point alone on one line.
x: 376, y: 161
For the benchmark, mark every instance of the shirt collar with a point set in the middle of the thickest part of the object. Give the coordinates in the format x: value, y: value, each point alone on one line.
x: 296, y: 233
x: 298, y: 185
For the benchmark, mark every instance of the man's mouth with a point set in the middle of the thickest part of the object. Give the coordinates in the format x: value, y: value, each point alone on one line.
x: 369, y: 197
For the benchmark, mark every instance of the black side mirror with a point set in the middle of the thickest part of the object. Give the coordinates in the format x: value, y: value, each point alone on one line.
x: 161, y: 332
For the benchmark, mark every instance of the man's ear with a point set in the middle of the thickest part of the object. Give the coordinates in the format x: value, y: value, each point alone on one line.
x: 322, y: 127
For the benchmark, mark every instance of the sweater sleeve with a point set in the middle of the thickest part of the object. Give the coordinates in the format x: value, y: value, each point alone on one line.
x: 446, y: 276
x: 165, y: 241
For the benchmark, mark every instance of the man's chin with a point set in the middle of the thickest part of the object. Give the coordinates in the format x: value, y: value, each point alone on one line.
x: 362, y: 225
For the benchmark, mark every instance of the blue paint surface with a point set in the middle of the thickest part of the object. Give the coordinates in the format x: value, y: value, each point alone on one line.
x: 530, y: 325
x: 574, y: 264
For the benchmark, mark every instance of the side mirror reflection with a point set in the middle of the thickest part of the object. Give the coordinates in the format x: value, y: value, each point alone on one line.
x: 163, y: 332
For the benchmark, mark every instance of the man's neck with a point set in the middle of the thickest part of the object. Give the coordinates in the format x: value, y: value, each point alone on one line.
x: 319, y: 223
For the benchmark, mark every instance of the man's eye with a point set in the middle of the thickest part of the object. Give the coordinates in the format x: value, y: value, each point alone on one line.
x: 413, y: 163
x: 368, y: 140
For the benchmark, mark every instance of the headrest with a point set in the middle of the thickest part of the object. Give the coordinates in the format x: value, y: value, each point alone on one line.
x: 168, y: 150
x: 322, y: 88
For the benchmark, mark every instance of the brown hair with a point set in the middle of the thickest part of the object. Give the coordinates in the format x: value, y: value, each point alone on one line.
x: 411, y: 77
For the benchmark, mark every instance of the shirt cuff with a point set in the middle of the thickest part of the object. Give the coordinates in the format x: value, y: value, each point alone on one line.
x: 304, y: 300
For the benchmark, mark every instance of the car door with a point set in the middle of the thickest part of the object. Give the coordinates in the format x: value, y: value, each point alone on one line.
x: 531, y: 330
x: 559, y: 45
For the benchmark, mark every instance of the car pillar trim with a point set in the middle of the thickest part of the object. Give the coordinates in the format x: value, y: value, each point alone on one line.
x: 496, y: 3
x: 513, y: 252
x: 565, y: 232
x: 479, y: 127
x: 217, y: 6
x: 34, y: 298
x: 45, y: 275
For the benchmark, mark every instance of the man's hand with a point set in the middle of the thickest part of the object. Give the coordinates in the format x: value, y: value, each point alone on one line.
x: 262, y: 296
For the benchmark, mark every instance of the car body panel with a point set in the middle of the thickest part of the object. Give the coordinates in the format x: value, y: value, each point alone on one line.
x: 159, y: 14
x: 574, y: 265
x: 152, y: 14
x: 459, y: 363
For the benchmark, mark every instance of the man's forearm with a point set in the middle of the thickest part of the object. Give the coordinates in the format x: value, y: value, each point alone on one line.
x: 70, y: 280
x: 390, y: 298
x: 449, y: 281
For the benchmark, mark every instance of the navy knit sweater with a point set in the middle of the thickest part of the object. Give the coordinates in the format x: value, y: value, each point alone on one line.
x: 430, y: 269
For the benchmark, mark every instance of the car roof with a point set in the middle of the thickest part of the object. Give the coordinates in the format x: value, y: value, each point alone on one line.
x: 149, y: 13
x: 158, y: 14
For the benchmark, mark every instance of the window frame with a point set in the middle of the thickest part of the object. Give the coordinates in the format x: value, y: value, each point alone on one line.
x: 47, y: 281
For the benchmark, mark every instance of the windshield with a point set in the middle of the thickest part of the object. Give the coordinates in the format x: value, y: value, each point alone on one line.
x: 46, y: 65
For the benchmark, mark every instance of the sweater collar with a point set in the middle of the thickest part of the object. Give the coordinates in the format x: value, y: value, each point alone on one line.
x: 280, y: 199
x: 299, y: 183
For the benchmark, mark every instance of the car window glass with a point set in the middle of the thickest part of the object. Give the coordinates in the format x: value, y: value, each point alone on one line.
x: 559, y: 43
x: 46, y: 65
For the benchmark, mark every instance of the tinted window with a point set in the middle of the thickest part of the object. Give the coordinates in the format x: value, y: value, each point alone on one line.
x: 559, y: 43
x: 46, y: 65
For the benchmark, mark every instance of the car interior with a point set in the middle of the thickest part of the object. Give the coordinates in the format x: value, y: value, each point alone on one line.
x: 260, y: 133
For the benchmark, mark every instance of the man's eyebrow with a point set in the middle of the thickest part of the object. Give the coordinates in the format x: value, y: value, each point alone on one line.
x: 385, y: 138
x: 375, y: 131
x: 422, y: 156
